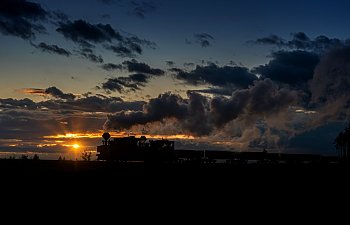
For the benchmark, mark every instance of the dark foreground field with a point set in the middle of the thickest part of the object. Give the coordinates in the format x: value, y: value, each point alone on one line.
x: 77, y: 182
x: 94, y: 171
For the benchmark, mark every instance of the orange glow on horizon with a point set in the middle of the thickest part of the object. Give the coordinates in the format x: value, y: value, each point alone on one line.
x: 74, y: 146
x: 37, y: 91
x: 98, y: 135
x: 13, y: 145
x: 45, y: 145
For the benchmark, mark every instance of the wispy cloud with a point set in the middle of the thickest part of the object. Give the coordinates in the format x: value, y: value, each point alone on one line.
x: 301, y: 41
x: 54, y: 49
x: 51, y: 91
x: 204, y: 39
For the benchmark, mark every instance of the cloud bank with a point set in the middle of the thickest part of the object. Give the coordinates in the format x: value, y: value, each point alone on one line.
x: 22, y: 18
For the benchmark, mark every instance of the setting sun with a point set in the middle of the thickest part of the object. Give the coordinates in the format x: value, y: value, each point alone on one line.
x: 76, y: 146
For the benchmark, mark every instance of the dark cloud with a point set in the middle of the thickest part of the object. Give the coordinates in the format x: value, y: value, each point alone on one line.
x: 83, y: 32
x: 140, y: 9
x: 10, y: 103
x: 123, y: 51
x: 170, y: 63
x: 224, y: 91
x: 132, y: 82
x: 301, y: 41
x: 58, y: 16
x: 101, y: 103
x: 188, y: 64
x: 224, y: 110
x: 176, y: 70
x: 165, y: 106
x: 93, y: 104
x: 89, y: 54
x: 21, y: 18
x: 232, y: 63
x: 201, y: 115
x: 139, y: 77
x: 22, y: 8
x: 197, y: 120
x: 52, y: 49
x: 142, y: 74
x: 136, y: 40
x: 26, y: 126
x: 215, y: 75
x: 208, y: 62
x: 57, y: 93
x: 87, y: 35
x: 137, y: 8
x: 330, y: 86
x: 332, y: 75
x: 92, y: 57
x: 263, y: 99
x: 324, y: 43
x: 271, y: 40
x: 21, y: 28
x: 51, y: 91
x: 111, y: 66
x: 130, y: 46
x: 138, y: 67
x: 203, y: 39
x: 294, y: 68
x: 30, y: 121
x: 328, y: 104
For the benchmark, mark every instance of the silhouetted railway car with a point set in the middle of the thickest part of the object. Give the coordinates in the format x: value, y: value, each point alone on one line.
x: 299, y: 158
x: 188, y: 156
x: 130, y: 148
x: 210, y: 154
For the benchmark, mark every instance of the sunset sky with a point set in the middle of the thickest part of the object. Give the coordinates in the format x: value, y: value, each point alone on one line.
x: 237, y: 75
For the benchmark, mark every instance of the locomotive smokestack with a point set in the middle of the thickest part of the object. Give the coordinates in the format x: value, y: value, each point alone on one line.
x: 106, y: 136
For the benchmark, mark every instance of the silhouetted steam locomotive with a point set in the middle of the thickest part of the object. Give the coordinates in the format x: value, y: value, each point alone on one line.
x: 135, y: 149
x: 125, y: 149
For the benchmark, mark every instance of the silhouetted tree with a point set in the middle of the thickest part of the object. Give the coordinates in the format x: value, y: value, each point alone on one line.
x: 60, y: 158
x: 35, y: 157
x: 86, y: 156
x: 342, y: 143
x: 24, y: 157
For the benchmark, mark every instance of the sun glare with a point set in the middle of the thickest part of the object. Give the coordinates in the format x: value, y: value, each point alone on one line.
x: 76, y: 146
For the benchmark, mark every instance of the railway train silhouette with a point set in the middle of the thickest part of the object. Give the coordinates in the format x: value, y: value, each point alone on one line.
x: 131, y: 148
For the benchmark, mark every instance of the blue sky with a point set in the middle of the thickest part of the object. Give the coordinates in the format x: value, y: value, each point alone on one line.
x: 231, y: 23
x: 216, y: 49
